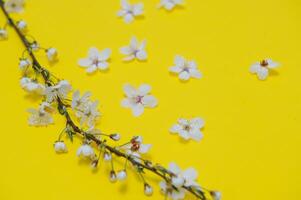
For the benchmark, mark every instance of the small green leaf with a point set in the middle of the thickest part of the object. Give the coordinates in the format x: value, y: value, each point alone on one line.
x: 70, y: 134
x: 62, y: 109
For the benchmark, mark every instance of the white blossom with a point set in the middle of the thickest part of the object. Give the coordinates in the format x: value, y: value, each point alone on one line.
x: 137, y: 99
x: 3, y: 34
x: 179, y: 179
x: 121, y: 175
x: 41, y: 116
x: 85, y: 151
x: 52, y: 54
x: 22, y: 26
x: 185, y: 69
x: 32, y: 86
x: 89, y: 114
x: 170, y: 4
x: 24, y: 63
x: 14, y: 6
x: 60, y: 147
x: 60, y: 90
x: 96, y: 60
x: 262, y: 68
x: 148, y: 190
x: 130, y: 11
x: 134, y: 50
x: 136, y: 147
x: 79, y: 102
x: 189, y: 128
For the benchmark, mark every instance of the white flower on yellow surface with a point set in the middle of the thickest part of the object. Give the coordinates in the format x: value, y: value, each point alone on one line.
x: 136, y: 147
x: 89, y: 114
x: 85, y: 151
x: 22, y: 26
x: 32, y: 86
x: 41, y: 116
x: 121, y: 175
x: 130, y: 11
x: 134, y: 50
x: 170, y: 4
x: 189, y: 129
x: 24, y: 63
x: 60, y: 147
x: 185, y: 69
x: 60, y: 90
x: 96, y: 60
x: 138, y: 99
x: 79, y: 102
x: 262, y: 68
x: 52, y: 54
x: 3, y: 34
x: 179, y: 179
x: 14, y: 6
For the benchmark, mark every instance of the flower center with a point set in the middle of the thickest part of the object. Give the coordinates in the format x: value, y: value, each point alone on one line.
x: 135, y: 145
x: 187, y: 128
x: 264, y: 63
x: 95, y: 62
x: 139, y: 99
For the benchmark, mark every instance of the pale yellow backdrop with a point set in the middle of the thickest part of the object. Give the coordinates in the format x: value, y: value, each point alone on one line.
x: 251, y: 145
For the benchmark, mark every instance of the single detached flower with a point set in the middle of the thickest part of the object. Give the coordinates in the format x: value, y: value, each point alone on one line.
x: 60, y: 90
x: 185, y: 69
x: 52, y: 54
x: 24, y: 63
x: 137, y: 99
x: 189, y: 128
x: 121, y: 175
x: 96, y: 60
x: 22, y: 26
x: 3, y: 34
x: 134, y: 50
x: 85, y: 151
x: 136, y: 147
x: 32, y: 86
x: 130, y: 11
x: 60, y: 147
x: 170, y: 4
x: 41, y: 116
x: 14, y: 6
x: 179, y: 179
x: 262, y: 68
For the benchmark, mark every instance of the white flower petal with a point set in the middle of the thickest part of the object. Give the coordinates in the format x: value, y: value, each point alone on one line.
x: 128, y: 18
x: 179, y: 61
x: 149, y: 101
x: 272, y: 64
x: 103, y: 65
x: 138, y: 9
x: 129, y: 58
x: 93, y: 52
x: 184, y: 134
x: 175, y: 128
x: 141, y: 55
x: 174, y: 168
x: 144, y: 89
x: 144, y: 148
x: 126, y: 103
x: 190, y: 174
x: 175, y: 69
x: 91, y: 69
x: 254, y: 68
x: 137, y: 110
x: 129, y: 90
x: 105, y: 54
x: 197, y: 122
x: 195, y: 73
x: 262, y: 73
x: 84, y: 62
x: 134, y: 43
x: 126, y: 50
x: 184, y: 76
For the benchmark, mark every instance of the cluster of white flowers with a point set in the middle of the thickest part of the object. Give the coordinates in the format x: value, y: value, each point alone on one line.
x: 138, y: 99
x: 179, y: 179
x: 32, y: 86
x: 41, y: 116
x: 189, y: 129
x: 136, y: 147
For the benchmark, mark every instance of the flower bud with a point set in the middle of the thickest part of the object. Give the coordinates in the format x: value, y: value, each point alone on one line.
x: 22, y: 26
x: 107, y: 156
x: 177, y: 181
x: 3, y: 34
x: 60, y: 147
x: 121, y: 175
x: 35, y: 46
x: 115, y: 136
x: 216, y: 195
x: 24, y: 63
x: 94, y: 164
x: 52, y: 54
x: 148, y: 190
x: 113, y: 177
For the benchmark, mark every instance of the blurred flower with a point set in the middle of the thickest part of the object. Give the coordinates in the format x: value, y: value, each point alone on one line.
x: 34, y: 46
x: 138, y: 99
x: 14, y: 6
x: 60, y: 147
x: 3, y: 34
x: 22, y: 26
x: 189, y: 128
x: 32, y: 86
x: 113, y: 176
x: 41, y: 116
x: 52, y: 54
x: 90, y: 114
x: 121, y: 175
x: 107, y: 156
x: 185, y: 69
x: 134, y: 50
x: 96, y: 60
x: 170, y: 4
x: 148, y: 190
x: 60, y: 90
x: 79, y: 102
x: 262, y: 68
x: 85, y: 151
x: 130, y: 11
x: 24, y: 63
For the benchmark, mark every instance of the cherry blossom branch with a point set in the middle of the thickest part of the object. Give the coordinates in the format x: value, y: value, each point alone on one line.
x: 139, y: 163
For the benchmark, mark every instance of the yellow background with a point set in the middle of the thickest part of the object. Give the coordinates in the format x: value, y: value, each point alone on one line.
x: 252, y: 133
